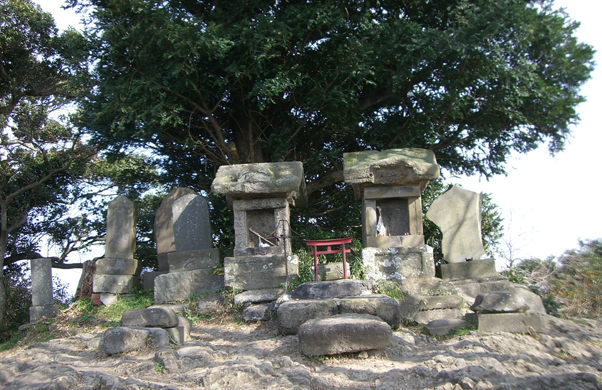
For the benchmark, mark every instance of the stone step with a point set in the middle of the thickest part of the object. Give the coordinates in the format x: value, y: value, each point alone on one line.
x: 332, y: 289
x: 424, y: 309
x: 119, y: 340
x: 509, y: 322
x: 445, y: 326
x: 159, y: 317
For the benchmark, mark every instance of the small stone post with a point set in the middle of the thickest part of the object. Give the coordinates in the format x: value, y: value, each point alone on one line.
x: 41, y: 290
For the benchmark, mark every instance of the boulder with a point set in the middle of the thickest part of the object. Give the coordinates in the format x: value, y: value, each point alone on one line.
x: 499, y: 302
x: 257, y: 313
x: 151, y: 317
x: 332, y: 289
x: 342, y: 334
x: 120, y: 340
x: 293, y: 314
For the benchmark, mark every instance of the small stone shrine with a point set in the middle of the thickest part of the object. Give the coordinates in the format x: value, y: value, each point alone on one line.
x: 261, y: 195
x: 389, y: 183
x: 41, y: 290
x: 118, y: 271
x: 192, y: 267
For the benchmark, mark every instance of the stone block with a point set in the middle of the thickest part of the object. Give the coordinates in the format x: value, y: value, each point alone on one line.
x: 41, y: 282
x: 108, y: 299
x: 331, y: 271
x: 191, y: 223
x: 445, y: 326
x: 332, y: 289
x: 36, y: 313
x: 293, y: 314
x: 112, y: 266
x: 426, y: 316
x: 177, y: 308
x: 342, y: 334
x: 191, y: 260
x: 398, y: 263
x: 411, y: 305
x: 394, y: 241
x: 470, y: 290
x: 148, y: 279
x: 258, y: 296
x: 178, y: 286
x: 164, y: 222
x: 382, y: 306
x: 533, y: 300
x: 258, y: 272
x: 114, y: 284
x: 499, y: 302
x: 151, y: 317
x: 181, y: 333
x: 509, y: 322
x: 257, y: 313
x: 121, y: 229
x: 162, y: 264
x: 457, y: 213
x: 120, y: 339
x: 428, y: 286
x: 468, y: 269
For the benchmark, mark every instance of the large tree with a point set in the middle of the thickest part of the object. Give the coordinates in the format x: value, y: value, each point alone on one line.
x: 206, y: 83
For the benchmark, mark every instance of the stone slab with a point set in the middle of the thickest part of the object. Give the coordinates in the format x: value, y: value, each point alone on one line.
x: 191, y: 260
x: 411, y: 305
x: 381, y: 306
x: 468, y: 269
x: 156, y: 317
x: 499, y: 302
x: 428, y: 286
x: 381, y: 192
x: 381, y: 264
x: 41, y: 282
x: 120, y: 242
x: 36, y: 313
x: 114, y: 284
x: 179, y: 308
x: 424, y: 317
x: 256, y: 313
x: 121, y: 339
x: 445, y: 326
x: 258, y: 272
x: 112, y: 266
x: 191, y: 223
x: 178, y: 286
x: 394, y: 241
x: 457, y: 212
x: 148, y: 279
x: 510, y: 322
x: 331, y: 271
x: 164, y: 221
x: 258, y: 296
x: 469, y: 291
x: 332, y: 289
x: 343, y: 334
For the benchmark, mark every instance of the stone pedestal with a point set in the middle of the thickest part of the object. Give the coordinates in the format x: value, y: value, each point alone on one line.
x: 259, y: 272
x: 468, y: 270
x: 397, y: 264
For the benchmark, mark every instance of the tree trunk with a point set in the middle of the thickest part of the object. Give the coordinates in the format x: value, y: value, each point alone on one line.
x: 84, y: 288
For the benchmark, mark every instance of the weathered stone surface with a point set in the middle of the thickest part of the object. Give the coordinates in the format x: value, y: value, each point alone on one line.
x: 111, y: 266
x: 245, y: 181
x: 428, y: 286
x: 258, y: 296
x: 210, y: 304
x: 191, y: 260
x: 393, y: 166
x: 445, y: 326
x: 509, y: 322
x: 114, y: 284
x: 426, y: 316
x: 181, y: 333
x: 397, y: 264
x: 457, y: 213
x: 469, y: 289
x: 468, y: 270
x: 332, y: 289
x: 499, y: 302
x: 179, y: 308
x: 121, y: 229
x: 151, y: 317
x: 382, y: 306
x: 169, y: 359
x: 164, y: 221
x: 258, y: 272
x: 119, y: 340
x: 331, y: 271
x: 178, y: 286
x: 148, y: 279
x: 293, y: 314
x: 255, y: 313
x: 41, y: 282
x: 162, y: 264
x: 394, y: 241
x: 533, y: 300
x: 343, y: 333
x: 191, y: 223
x: 36, y: 313
x: 108, y: 299
x: 411, y: 305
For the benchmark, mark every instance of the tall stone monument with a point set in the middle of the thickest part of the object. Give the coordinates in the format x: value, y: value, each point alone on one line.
x: 118, y: 271
x: 41, y: 290
x: 261, y: 196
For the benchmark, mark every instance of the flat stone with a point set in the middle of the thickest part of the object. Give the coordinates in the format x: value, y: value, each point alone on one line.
x: 164, y: 221
x: 178, y: 286
x: 393, y: 166
x: 382, y: 306
x: 191, y: 223
x: 468, y: 269
x: 245, y: 181
x: 292, y: 314
x: 120, y: 340
x: 258, y: 272
x: 150, y: 317
x: 331, y: 271
x: 148, y: 279
x: 332, y: 289
x: 399, y: 263
x: 120, y: 242
x: 469, y: 289
x: 191, y: 260
x: 177, y: 308
x: 445, y: 326
x: 255, y: 313
x: 428, y: 286
x: 114, y: 284
x: 411, y: 305
x: 258, y: 296
x: 509, y: 322
x: 36, y: 313
x: 113, y: 266
x: 342, y: 334
x: 426, y: 316
x: 457, y: 213
x: 181, y: 333
x: 499, y: 302
x: 41, y: 282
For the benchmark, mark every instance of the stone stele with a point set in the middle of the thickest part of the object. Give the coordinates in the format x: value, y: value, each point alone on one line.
x: 252, y: 181
x: 390, y: 167
x: 458, y: 214
x: 164, y: 220
x: 191, y: 223
x: 121, y: 229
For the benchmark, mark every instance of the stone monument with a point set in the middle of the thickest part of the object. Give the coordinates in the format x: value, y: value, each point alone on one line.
x: 261, y: 195
x: 41, y: 290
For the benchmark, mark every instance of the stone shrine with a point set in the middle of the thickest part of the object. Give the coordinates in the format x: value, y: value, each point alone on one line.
x: 261, y: 195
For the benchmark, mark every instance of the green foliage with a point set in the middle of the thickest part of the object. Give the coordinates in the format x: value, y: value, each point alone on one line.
x: 18, y: 300
x: 90, y: 315
x: 160, y: 368
x: 389, y: 288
